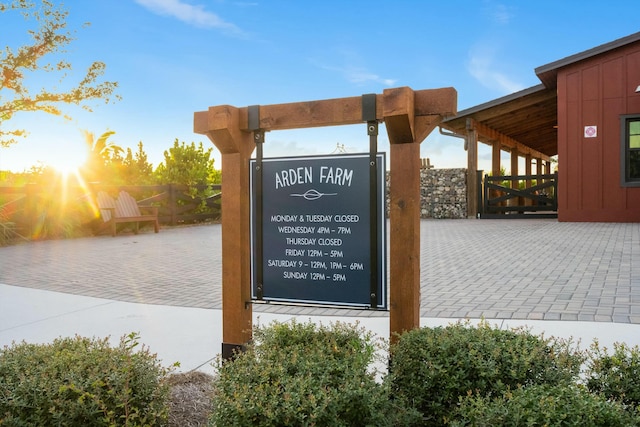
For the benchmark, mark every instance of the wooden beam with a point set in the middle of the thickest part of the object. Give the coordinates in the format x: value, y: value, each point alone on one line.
x: 222, y: 125
x: 472, y: 176
x: 495, y: 159
x: 329, y: 112
x: 495, y: 165
x: 399, y: 114
x: 237, y: 316
x: 514, y: 166
x: 527, y: 171
x: 505, y: 141
x: 424, y: 125
x: 442, y: 102
x: 533, y: 99
x: 404, y: 238
x: 430, y: 106
x: 514, y: 172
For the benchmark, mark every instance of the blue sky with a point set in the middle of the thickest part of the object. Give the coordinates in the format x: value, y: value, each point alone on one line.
x: 174, y: 57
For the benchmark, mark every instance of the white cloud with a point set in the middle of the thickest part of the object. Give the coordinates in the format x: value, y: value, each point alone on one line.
x: 498, y: 13
x: 278, y: 146
x: 362, y: 76
x: 359, y: 76
x: 483, y: 68
x: 195, y: 15
x: 353, y: 73
x: 501, y: 14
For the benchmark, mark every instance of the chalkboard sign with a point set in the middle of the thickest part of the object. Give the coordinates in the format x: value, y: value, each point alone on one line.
x: 316, y: 230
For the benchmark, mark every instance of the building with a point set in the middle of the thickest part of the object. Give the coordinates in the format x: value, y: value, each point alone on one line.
x: 587, y: 112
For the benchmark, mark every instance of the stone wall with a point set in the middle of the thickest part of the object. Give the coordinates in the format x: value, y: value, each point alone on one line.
x: 443, y: 193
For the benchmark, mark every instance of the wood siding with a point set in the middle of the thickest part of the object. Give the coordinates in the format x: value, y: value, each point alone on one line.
x: 595, y: 92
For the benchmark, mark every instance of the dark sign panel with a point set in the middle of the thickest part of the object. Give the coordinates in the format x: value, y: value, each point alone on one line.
x: 316, y: 228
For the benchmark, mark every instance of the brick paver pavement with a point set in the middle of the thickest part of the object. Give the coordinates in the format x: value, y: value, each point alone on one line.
x: 496, y: 269
x: 531, y: 269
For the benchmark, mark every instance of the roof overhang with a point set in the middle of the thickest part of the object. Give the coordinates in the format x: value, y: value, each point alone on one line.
x: 525, y: 121
x: 548, y: 74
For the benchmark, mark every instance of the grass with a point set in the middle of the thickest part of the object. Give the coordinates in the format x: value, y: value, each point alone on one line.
x: 190, y: 399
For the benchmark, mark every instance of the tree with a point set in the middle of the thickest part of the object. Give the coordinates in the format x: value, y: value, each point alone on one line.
x: 187, y: 164
x: 136, y: 168
x: 48, y: 38
x: 101, y: 149
x: 101, y: 153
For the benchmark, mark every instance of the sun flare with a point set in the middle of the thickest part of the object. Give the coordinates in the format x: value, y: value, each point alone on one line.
x: 67, y: 165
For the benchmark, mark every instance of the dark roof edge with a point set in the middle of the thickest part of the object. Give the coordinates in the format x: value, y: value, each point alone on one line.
x: 498, y: 101
x: 587, y: 53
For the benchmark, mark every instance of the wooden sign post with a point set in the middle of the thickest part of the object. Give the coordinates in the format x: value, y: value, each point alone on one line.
x: 409, y: 117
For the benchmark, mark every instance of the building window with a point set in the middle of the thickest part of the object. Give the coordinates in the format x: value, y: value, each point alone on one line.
x: 630, y: 150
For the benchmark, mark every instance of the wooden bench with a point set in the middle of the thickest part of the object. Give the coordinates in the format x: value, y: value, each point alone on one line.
x: 125, y: 209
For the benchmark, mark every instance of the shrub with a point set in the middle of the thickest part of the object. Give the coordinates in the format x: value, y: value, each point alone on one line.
x: 541, y: 405
x: 302, y: 375
x: 433, y: 367
x: 617, y: 375
x: 81, y: 381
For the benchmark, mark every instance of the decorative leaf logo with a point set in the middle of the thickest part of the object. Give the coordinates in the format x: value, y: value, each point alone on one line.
x: 312, y: 194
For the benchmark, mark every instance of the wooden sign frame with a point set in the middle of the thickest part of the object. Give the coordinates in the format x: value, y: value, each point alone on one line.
x: 409, y: 117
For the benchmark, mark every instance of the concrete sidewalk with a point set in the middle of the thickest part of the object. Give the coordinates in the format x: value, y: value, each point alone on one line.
x: 578, y: 280
x: 193, y: 336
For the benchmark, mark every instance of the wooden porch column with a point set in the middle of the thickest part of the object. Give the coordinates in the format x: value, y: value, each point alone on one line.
x: 514, y: 163
x: 514, y: 173
x: 495, y: 167
x: 546, y: 169
x: 472, y: 167
x: 514, y: 168
x: 539, y: 171
x: 527, y: 171
x: 495, y: 158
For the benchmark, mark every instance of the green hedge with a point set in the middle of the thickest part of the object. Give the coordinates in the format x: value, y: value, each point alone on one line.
x: 305, y: 375
x: 615, y: 375
x: 544, y: 405
x: 302, y: 374
x: 81, y: 382
x: 434, y: 367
